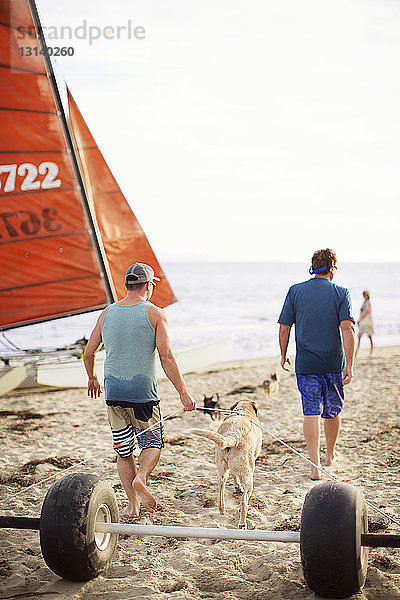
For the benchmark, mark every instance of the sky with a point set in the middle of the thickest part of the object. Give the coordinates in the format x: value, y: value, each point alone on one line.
x: 254, y: 130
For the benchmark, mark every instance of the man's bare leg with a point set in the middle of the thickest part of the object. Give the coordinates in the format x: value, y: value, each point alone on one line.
x: 372, y: 345
x: 311, y: 435
x: 148, y: 459
x: 331, y: 428
x: 127, y: 472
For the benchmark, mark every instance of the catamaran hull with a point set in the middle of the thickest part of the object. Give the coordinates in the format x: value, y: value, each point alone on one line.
x: 71, y: 373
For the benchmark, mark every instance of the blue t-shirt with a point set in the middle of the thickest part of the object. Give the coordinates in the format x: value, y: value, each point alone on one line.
x: 317, y: 307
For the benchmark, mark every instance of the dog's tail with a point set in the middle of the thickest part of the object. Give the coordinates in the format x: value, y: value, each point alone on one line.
x: 223, y: 441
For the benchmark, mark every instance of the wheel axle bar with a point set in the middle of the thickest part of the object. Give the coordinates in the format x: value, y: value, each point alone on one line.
x: 380, y: 540
x: 199, y: 532
x: 20, y: 523
x: 372, y: 540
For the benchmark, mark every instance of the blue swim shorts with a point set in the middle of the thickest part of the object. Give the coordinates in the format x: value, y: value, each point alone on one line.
x: 321, y: 394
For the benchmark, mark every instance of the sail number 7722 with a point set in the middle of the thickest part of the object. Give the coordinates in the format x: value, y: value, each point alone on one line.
x: 24, y: 177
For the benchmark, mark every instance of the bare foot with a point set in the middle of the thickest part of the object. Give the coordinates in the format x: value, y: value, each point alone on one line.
x: 315, y: 475
x: 146, y: 498
x: 330, y: 461
x: 132, y: 510
x: 128, y: 511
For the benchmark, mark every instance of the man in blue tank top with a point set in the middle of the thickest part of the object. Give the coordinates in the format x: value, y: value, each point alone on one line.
x: 132, y: 330
x: 324, y: 332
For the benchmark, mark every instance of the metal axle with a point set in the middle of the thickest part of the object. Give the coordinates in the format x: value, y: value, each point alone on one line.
x: 20, y: 523
x: 373, y: 540
x: 380, y: 540
x: 199, y: 532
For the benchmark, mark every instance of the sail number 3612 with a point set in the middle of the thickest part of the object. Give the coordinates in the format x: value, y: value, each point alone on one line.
x: 24, y: 177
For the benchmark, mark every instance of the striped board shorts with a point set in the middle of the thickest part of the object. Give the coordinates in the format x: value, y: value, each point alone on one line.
x: 128, y: 424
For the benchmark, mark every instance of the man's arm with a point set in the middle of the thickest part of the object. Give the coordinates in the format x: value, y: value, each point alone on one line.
x: 286, y: 320
x: 284, y: 335
x: 89, y: 357
x: 348, y: 338
x: 168, y: 361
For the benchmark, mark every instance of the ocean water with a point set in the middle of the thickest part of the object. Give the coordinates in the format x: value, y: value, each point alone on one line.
x: 241, y: 301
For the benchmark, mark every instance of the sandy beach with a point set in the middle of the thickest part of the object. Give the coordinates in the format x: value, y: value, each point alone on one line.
x: 43, y: 433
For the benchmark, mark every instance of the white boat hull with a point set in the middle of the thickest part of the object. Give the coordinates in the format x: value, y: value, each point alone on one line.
x: 71, y: 372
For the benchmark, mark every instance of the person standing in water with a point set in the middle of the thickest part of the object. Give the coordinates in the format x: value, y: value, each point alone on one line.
x: 131, y: 330
x: 365, y: 323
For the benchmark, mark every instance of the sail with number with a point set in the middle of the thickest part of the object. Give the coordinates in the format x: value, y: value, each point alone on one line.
x: 67, y: 234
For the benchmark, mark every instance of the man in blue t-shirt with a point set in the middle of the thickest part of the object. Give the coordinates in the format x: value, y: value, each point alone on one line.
x: 324, y: 331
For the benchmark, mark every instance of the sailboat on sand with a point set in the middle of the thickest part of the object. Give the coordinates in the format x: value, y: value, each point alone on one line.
x: 67, y: 233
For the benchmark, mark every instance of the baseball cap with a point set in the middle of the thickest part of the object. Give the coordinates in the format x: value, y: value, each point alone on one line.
x: 140, y: 273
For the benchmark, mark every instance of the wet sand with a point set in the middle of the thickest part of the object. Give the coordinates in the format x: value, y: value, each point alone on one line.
x: 42, y: 434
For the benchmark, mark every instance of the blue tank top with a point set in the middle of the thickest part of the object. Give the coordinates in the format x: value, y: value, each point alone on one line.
x: 130, y: 343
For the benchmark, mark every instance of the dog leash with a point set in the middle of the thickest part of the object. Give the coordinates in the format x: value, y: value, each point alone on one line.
x: 223, y: 410
x: 323, y: 471
x: 300, y: 455
x: 82, y: 462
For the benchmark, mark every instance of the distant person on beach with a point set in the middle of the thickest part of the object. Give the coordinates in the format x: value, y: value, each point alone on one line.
x: 320, y: 311
x: 365, y: 323
x: 131, y: 330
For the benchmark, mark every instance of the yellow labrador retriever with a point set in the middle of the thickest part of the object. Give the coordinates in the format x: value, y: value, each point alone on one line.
x: 238, y: 444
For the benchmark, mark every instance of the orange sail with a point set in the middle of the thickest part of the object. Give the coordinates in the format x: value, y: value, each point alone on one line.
x: 67, y: 234
x: 123, y: 239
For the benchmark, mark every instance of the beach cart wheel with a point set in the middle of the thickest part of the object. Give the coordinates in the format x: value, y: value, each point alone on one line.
x: 70, y: 546
x: 333, y: 518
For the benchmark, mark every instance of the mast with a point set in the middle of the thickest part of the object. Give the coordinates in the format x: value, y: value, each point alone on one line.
x: 110, y: 291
